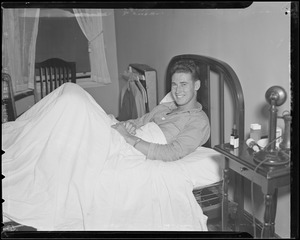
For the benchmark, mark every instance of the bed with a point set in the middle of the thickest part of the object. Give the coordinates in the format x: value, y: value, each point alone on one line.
x: 144, y: 205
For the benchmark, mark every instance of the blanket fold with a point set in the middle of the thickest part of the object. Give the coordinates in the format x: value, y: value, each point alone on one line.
x: 65, y: 168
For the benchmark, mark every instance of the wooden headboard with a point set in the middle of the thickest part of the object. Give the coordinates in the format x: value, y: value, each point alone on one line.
x: 226, y: 75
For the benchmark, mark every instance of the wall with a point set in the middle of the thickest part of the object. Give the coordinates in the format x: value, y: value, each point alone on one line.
x: 255, y: 42
x: 60, y: 36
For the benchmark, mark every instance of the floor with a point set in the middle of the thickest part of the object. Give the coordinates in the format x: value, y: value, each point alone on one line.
x: 214, y: 226
x: 245, y: 227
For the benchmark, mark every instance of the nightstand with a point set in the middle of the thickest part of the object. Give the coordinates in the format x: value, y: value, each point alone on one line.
x: 269, y: 178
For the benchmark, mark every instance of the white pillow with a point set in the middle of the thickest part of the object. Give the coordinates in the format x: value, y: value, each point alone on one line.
x: 203, y: 166
x: 167, y: 98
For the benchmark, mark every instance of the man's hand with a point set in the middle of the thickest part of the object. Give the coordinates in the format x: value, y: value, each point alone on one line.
x: 125, y: 128
x: 130, y: 127
x: 121, y: 128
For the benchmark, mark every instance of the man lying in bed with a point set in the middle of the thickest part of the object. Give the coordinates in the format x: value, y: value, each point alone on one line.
x: 183, y: 122
x: 67, y: 168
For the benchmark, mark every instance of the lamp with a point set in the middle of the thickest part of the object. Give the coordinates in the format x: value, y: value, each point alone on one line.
x: 275, y: 96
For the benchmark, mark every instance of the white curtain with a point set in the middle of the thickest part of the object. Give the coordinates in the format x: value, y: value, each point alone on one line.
x: 20, y: 27
x: 90, y: 22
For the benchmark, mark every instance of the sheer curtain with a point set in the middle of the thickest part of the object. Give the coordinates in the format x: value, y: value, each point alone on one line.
x: 90, y: 22
x: 20, y: 27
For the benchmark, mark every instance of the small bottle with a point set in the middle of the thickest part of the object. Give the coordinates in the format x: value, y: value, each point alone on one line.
x: 236, y: 140
x: 253, y: 145
x: 232, y: 136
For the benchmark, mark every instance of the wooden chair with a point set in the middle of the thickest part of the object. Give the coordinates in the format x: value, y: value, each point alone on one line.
x: 9, y: 112
x: 9, y: 98
x: 52, y: 73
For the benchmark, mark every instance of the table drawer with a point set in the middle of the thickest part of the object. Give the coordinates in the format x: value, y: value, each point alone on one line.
x: 244, y: 171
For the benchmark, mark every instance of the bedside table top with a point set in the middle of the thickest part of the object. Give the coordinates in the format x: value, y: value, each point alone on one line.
x: 244, y: 156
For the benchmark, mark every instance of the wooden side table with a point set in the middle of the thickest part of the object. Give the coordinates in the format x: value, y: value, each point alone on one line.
x: 269, y: 178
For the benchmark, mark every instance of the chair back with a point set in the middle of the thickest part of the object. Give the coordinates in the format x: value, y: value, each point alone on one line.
x: 9, y: 112
x: 52, y: 73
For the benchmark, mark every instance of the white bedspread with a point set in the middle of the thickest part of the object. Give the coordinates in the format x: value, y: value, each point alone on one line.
x: 66, y: 169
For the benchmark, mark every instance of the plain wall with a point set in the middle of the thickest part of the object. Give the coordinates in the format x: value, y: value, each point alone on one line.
x: 255, y: 42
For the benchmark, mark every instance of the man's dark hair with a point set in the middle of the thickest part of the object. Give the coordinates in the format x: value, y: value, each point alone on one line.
x: 186, y: 66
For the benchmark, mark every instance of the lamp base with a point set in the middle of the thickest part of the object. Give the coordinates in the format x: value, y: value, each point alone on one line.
x: 274, y: 158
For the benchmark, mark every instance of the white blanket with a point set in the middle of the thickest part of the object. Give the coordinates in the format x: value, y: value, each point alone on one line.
x: 66, y: 169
